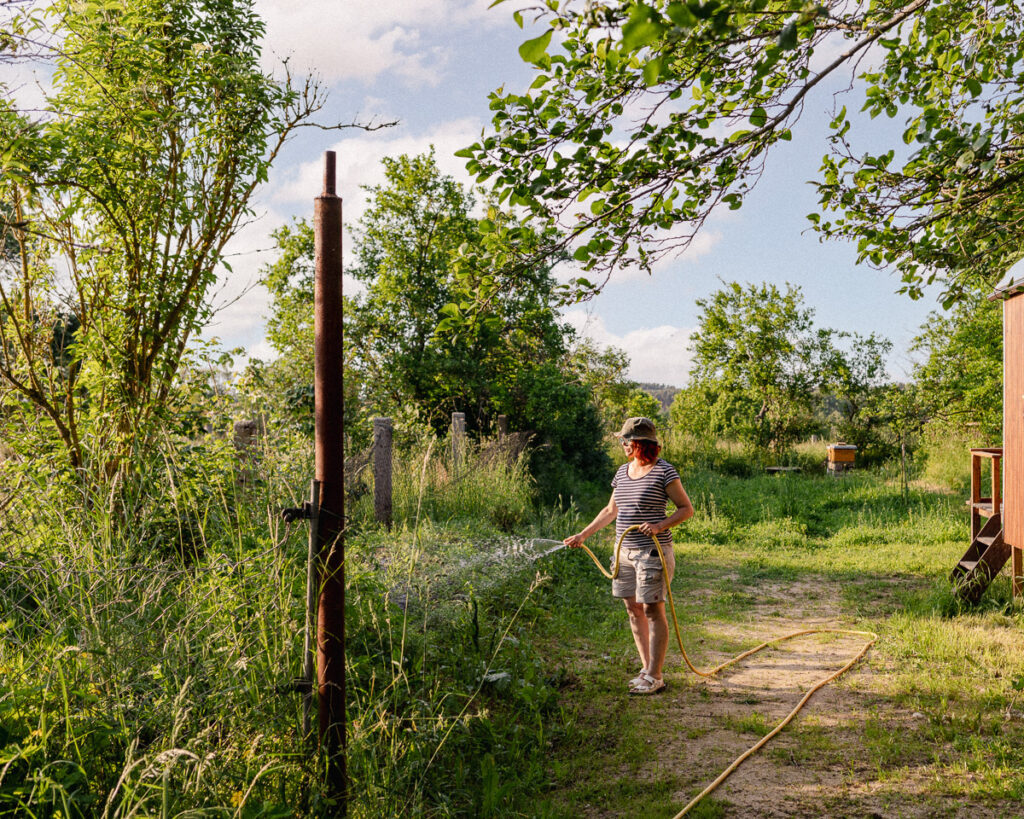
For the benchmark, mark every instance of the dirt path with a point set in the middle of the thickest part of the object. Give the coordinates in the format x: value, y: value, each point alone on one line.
x: 820, y: 765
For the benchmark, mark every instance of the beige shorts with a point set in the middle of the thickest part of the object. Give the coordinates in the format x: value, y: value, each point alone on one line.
x: 641, y: 575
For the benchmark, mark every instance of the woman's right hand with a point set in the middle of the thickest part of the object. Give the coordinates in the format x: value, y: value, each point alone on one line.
x: 574, y: 541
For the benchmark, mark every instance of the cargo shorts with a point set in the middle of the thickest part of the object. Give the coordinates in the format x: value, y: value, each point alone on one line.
x: 641, y: 574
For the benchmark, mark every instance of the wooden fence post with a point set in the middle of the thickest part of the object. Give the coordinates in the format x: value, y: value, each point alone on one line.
x: 246, y: 439
x: 502, y: 426
x: 458, y: 438
x: 382, y: 498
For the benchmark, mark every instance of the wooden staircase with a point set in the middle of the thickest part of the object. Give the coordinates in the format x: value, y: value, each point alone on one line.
x: 987, y: 552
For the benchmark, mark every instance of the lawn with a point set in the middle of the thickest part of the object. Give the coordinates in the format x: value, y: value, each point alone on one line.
x: 930, y: 724
x: 487, y: 677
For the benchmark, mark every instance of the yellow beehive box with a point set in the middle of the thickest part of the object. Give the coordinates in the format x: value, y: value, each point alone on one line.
x: 841, y: 456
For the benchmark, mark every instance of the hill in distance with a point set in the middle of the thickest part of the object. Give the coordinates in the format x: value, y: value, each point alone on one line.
x: 663, y: 392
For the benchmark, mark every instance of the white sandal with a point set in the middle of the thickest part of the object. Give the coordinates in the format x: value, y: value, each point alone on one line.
x: 639, y: 679
x: 649, y: 685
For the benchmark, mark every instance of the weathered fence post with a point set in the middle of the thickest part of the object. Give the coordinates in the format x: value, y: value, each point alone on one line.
x: 502, y: 426
x: 330, y: 473
x: 458, y: 439
x: 382, y: 438
x: 246, y: 440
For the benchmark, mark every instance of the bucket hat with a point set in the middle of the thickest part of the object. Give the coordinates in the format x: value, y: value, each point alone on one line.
x: 638, y: 429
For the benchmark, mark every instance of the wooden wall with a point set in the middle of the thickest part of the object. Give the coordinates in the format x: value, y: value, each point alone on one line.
x: 1013, y: 421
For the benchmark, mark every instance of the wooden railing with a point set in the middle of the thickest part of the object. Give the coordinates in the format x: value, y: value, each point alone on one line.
x: 993, y: 504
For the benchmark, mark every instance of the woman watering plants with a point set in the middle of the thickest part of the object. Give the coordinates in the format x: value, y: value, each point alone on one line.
x: 641, y: 490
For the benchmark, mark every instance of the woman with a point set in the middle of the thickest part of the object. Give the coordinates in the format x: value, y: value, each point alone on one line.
x: 640, y: 491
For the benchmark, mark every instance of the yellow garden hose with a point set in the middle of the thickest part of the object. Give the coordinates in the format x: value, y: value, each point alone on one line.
x: 675, y: 622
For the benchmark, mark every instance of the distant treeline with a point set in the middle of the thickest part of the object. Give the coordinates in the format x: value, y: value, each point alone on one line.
x: 664, y: 393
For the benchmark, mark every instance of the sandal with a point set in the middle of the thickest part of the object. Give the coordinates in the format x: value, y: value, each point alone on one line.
x: 639, y: 679
x: 648, y: 685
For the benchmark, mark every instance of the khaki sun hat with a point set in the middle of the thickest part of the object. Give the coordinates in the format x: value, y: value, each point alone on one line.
x: 638, y: 429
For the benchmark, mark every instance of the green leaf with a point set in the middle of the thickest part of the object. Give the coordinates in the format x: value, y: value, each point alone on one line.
x: 679, y: 14
x: 534, y: 50
x: 642, y: 29
x: 787, y: 37
x: 758, y: 117
x: 652, y: 71
x: 517, y: 16
x: 973, y: 86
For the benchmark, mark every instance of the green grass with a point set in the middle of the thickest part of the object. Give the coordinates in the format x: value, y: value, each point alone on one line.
x: 147, y: 661
x: 871, y: 558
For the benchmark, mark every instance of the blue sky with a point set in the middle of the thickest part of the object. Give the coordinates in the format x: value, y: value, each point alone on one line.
x: 431, y: 64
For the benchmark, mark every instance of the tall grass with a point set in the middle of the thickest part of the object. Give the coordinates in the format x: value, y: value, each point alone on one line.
x: 489, y: 487
x: 150, y: 646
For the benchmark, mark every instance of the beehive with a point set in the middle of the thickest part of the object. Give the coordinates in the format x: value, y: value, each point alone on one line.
x: 841, y: 457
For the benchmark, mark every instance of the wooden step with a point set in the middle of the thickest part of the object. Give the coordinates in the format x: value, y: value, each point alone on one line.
x: 985, y: 508
x: 968, y: 565
x: 985, y: 540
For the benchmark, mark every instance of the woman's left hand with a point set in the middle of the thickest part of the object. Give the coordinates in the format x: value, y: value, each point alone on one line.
x: 650, y: 528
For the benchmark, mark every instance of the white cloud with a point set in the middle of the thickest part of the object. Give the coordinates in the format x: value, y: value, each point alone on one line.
x: 244, y: 303
x: 659, y: 355
x: 362, y: 41
x: 359, y: 162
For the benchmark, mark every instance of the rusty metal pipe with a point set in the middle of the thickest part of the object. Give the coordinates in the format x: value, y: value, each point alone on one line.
x: 330, y: 473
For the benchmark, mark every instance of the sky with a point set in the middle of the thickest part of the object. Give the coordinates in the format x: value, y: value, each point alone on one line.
x: 430, y: 65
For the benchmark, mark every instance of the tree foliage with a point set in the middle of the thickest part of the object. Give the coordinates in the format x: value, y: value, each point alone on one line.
x: 158, y: 129
x: 855, y: 381
x: 646, y: 116
x: 960, y: 380
x: 759, y: 360
x: 417, y: 348
x: 603, y: 371
x: 764, y: 374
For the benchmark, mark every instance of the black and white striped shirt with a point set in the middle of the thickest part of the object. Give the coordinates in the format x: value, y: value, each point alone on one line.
x: 643, y: 500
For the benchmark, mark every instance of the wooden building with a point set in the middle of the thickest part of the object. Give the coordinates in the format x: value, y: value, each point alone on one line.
x: 1011, y: 291
x: 997, y: 518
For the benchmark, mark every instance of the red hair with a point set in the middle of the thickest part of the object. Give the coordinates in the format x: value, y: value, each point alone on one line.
x: 646, y: 452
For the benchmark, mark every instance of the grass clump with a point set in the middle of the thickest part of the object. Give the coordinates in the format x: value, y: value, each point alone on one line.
x: 151, y: 645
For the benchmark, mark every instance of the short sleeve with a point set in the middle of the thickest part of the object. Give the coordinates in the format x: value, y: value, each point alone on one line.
x: 669, y: 474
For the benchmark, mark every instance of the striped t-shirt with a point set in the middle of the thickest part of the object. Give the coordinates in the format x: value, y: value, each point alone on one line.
x: 643, y: 500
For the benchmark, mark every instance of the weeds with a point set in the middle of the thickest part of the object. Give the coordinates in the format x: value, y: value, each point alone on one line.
x: 150, y: 645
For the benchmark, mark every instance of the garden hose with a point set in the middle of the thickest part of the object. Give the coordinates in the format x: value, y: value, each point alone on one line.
x: 872, y: 637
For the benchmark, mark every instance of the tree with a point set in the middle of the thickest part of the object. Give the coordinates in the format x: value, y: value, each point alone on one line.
x: 649, y: 115
x: 405, y: 243
x: 603, y: 371
x: 759, y: 362
x: 405, y: 355
x: 856, y: 378
x: 159, y: 127
x: 960, y: 382
x: 284, y: 387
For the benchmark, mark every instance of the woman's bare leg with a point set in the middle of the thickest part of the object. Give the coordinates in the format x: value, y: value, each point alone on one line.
x: 657, y: 629
x: 641, y: 636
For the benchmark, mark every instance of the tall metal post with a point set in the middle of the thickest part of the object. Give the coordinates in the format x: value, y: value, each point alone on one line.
x: 330, y: 473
